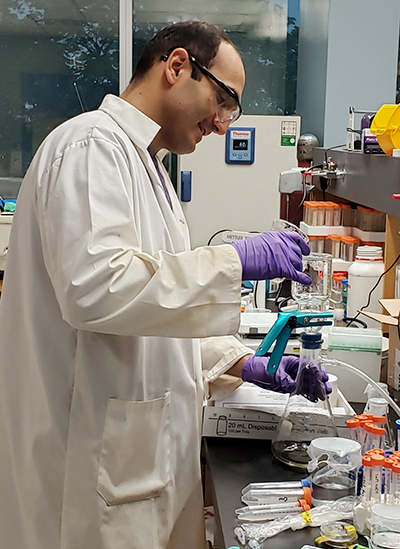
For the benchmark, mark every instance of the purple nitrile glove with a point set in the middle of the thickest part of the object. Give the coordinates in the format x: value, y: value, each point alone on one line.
x: 313, y: 385
x: 273, y: 255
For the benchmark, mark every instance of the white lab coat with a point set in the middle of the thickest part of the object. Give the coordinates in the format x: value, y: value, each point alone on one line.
x: 100, y: 381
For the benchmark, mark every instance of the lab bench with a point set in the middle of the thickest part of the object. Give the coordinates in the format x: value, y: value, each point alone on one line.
x: 231, y: 465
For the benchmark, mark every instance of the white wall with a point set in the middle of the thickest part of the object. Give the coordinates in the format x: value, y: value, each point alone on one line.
x: 348, y: 55
x: 237, y: 197
x: 312, y: 67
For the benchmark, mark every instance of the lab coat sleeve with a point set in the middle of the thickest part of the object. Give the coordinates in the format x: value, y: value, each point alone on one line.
x: 103, y: 280
x: 218, y: 355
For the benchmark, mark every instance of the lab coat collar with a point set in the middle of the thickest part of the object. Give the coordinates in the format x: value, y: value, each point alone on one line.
x: 140, y: 128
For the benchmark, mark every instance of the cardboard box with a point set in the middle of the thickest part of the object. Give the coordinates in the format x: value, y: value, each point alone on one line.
x: 231, y: 419
x: 392, y: 306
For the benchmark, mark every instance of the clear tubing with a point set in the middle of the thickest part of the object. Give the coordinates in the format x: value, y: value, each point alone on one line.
x: 398, y: 433
x: 339, y: 363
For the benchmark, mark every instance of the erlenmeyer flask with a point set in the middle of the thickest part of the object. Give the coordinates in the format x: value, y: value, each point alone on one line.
x: 307, y: 413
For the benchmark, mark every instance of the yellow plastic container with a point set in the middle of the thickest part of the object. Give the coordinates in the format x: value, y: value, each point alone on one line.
x: 395, y: 135
x: 386, y: 126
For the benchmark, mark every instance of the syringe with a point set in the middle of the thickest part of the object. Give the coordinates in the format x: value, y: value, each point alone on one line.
x: 284, y: 485
x: 261, y: 513
x: 256, y: 497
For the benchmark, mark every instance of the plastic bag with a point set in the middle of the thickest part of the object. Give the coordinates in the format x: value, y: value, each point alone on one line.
x: 341, y: 509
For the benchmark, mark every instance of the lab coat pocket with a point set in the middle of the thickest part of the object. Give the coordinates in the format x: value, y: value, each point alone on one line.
x: 134, y: 459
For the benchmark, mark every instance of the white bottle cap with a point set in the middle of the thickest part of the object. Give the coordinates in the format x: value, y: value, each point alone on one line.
x: 369, y: 253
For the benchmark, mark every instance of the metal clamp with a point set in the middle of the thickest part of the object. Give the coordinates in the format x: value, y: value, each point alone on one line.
x: 281, y: 330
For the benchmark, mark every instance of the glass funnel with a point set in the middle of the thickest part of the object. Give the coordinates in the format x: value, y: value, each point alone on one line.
x: 281, y: 225
x: 315, y: 297
x: 307, y: 413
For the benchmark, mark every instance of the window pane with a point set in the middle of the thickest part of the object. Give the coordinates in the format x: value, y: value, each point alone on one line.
x: 58, y: 58
x: 265, y: 32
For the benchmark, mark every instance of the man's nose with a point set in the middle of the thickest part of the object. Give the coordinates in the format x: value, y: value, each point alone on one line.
x: 220, y: 128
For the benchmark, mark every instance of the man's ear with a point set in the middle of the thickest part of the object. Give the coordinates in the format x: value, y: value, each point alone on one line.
x: 178, y: 60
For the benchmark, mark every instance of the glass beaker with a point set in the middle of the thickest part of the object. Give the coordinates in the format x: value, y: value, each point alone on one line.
x: 385, y: 526
x: 303, y: 420
x: 334, y: 464
x: 315, y: 297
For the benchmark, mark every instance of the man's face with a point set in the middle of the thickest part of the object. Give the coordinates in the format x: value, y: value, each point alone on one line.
x: 193, y: 112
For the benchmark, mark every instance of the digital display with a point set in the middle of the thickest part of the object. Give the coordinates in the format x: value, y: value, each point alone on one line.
x: 240, y: 144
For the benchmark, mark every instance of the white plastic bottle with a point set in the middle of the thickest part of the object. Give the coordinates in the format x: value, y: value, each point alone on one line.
x: 363, y: 274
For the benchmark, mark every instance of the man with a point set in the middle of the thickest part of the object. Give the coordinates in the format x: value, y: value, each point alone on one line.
x: 107, y: 315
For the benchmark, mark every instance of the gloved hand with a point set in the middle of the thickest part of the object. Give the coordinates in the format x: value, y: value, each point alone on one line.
x: 313, y: 385
x: 273, y: 255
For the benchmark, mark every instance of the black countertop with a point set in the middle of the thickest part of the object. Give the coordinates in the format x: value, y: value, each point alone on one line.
x: 234, y: 463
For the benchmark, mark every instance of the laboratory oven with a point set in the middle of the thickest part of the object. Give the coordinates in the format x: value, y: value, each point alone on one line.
x: 231, y: 182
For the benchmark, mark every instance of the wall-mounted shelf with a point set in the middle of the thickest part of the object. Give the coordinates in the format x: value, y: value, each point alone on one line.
x: 324, y: 230
x: 370, y: 180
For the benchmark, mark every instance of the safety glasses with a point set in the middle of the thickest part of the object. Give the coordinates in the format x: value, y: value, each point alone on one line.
x: 228, y: 108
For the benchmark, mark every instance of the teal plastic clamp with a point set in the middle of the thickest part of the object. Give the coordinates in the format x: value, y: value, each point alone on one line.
x: 281, y: 330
